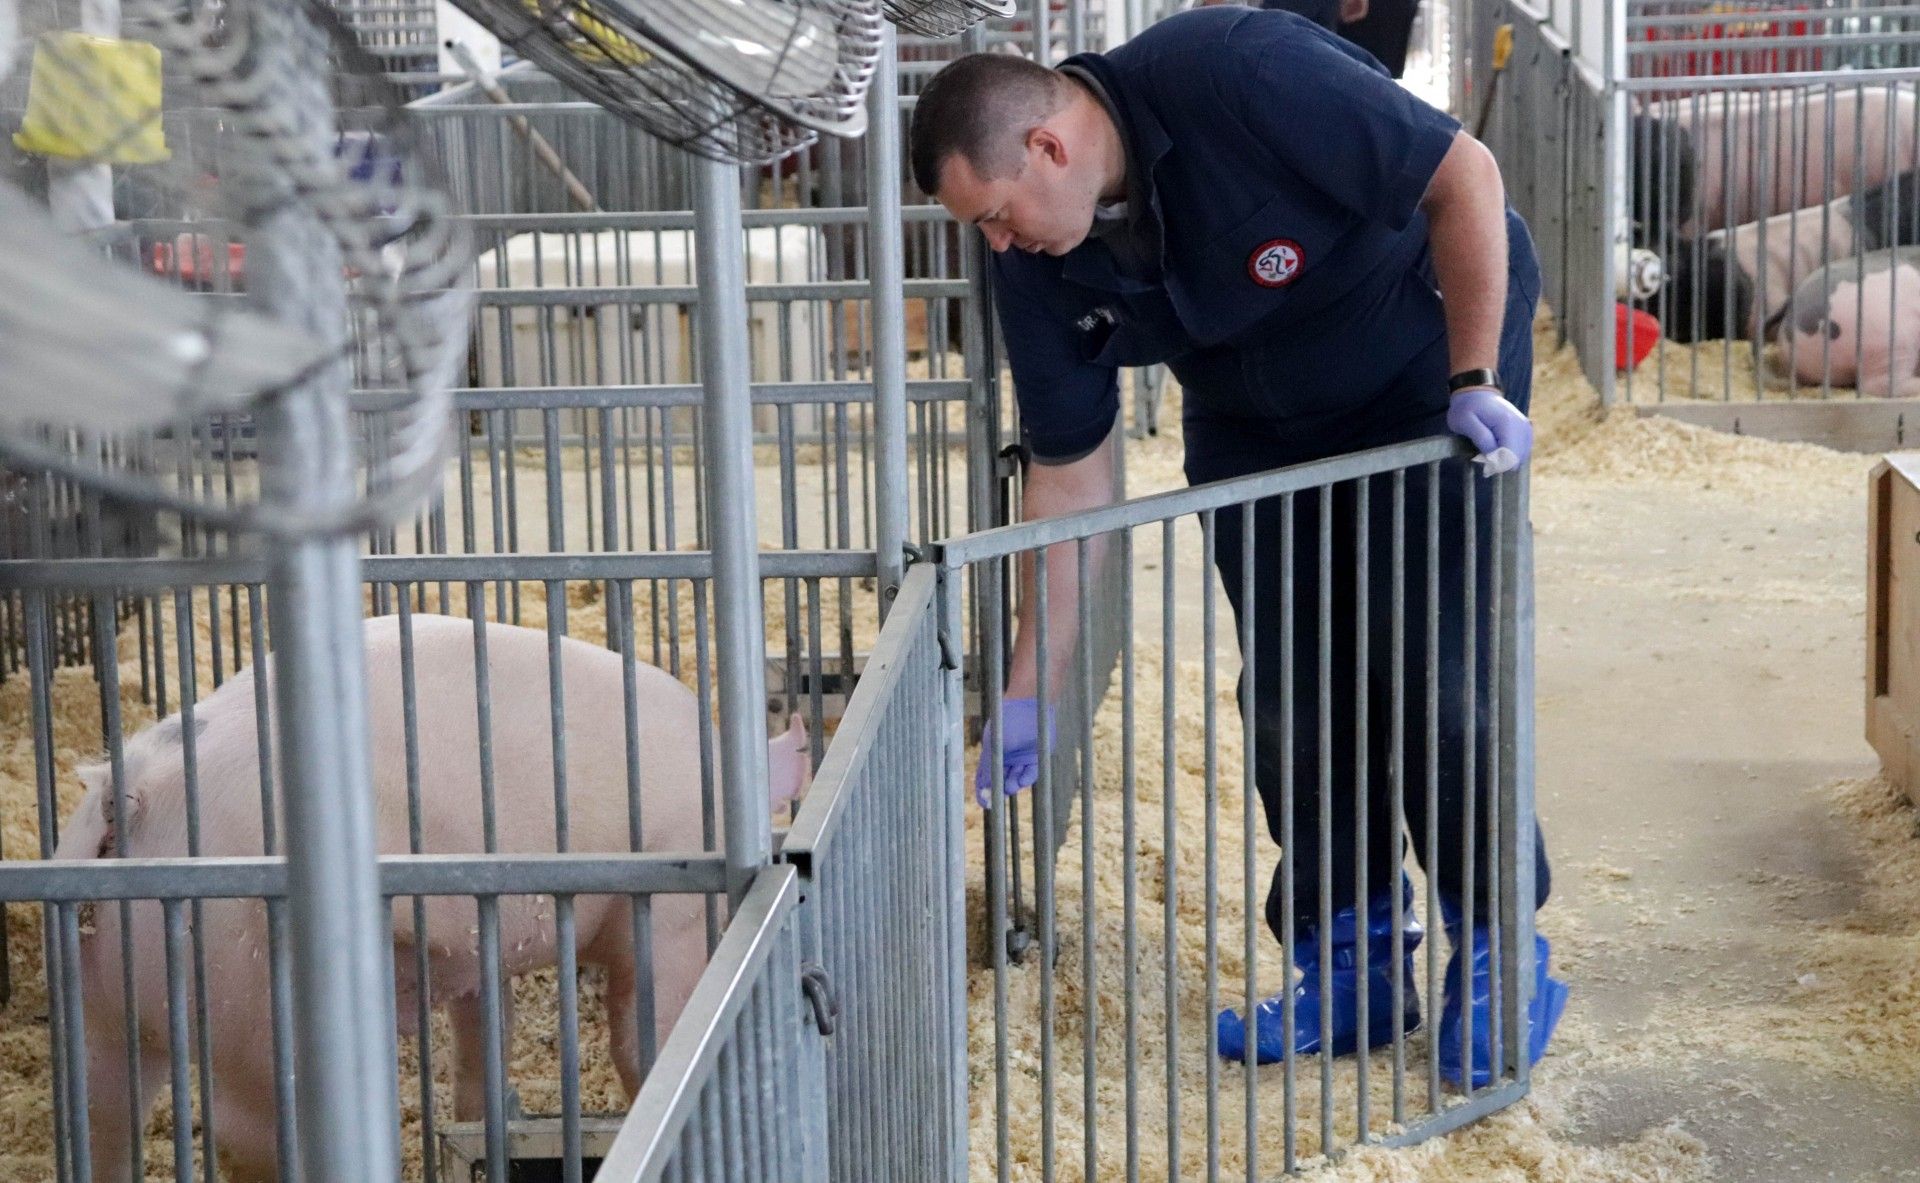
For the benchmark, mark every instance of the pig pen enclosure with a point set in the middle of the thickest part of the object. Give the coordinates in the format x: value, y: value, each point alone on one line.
x: 1725, y: 197
x: 678, y: 513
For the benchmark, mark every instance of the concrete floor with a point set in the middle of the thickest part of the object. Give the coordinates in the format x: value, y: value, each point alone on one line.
x: 1700, y: 679
x: 1700, y: 675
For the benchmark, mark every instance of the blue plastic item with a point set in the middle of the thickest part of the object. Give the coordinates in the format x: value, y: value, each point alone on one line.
x: 1344, y: 1001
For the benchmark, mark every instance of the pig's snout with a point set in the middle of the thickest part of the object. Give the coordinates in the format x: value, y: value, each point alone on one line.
x: 789, y: 765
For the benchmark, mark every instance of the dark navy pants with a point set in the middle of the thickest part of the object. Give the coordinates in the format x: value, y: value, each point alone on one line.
x: 1223, y: 445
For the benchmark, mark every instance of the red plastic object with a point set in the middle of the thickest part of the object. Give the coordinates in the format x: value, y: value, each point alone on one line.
x: 1645, y: 333
x: 1730, y: 22
x: 189, y: 258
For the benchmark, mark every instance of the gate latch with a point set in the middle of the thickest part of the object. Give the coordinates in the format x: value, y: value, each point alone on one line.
x: 819, y: 991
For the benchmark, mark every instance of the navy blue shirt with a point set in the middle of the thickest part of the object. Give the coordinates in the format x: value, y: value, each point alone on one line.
x: 1283, y: 169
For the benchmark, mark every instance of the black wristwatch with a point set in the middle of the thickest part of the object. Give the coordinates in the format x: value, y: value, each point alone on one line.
x: 1466, y: 378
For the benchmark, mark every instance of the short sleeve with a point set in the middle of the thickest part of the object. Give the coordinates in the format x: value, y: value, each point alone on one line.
x: 1067, y: 403
x: 1333, y: 117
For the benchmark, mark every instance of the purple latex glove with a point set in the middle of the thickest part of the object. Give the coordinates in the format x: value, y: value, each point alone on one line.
x: 1491, y: 424
x: 1020, y: 748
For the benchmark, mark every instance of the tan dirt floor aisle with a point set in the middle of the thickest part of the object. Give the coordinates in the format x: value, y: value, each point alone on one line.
x: 1750, y: 917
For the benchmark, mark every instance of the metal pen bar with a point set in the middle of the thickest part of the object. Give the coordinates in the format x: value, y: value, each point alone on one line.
x: 423, y: 995
x: 1044, y: 853
x: 1140, y: 511
x: 1289, y: 1019
x: 1209, y: 637
x: 1089, y: 1022
x: 1432, y: 699
x: 496, y: 1007
x: 1362, y: 791
x: 1501, y: 1024
x: 953, y: 820
x: 189, y: 755
x: 922, y: 392
x: 1521, y: 832
x: 1469, y: 752
x: 176, y: 934
x: 729, y: 456
x: 1249, y: 812
x: 642, y: 922
x: 998, y: 806
x: 697, y: 295
x: 657, y: 873
x: 887, y: 274
x: 1130, y: 942
x: 1707, y: 83
x: 79, y: 1151
x: 1323, y: 700
x: 1396, y: 776
x: 569, y: 990
x: 108, y: 675
x: 668, y: 1099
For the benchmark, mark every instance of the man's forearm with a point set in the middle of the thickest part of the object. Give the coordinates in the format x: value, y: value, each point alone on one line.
x: 1467, y: 227
x: 1053, y: 490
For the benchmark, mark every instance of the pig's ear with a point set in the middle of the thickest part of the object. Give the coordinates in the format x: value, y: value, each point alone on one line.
x: 99, y: 781
x: 98, y: 778
x: 797, y: 732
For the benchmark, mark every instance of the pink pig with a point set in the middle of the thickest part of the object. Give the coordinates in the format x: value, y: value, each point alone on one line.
x: 234, y: 932
x: 1856, y: 323
x: 1741, y: 156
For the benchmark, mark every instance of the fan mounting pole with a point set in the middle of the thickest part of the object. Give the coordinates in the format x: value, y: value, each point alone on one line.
x: 739, y: 629
x: 342, y: 938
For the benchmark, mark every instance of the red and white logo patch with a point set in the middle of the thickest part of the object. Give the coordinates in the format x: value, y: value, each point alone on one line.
x: 1276, y: 264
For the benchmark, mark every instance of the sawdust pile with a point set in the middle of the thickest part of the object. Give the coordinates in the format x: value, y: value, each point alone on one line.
x: 1841, y: 997
x: 1731, y: 370
x: 1576, y: 438
x: 1527, y: 1142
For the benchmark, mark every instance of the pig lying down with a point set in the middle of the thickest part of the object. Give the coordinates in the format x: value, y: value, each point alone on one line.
x: 1735, y: 282
x: 234, y: 932
x: 1855, y: 323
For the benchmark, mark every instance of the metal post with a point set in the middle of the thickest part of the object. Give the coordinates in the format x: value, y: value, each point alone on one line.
x: 1518, y: 804
x: 888, y: 275
x: 342, y: 950
x: 731, y: 525
x: 80, y: 192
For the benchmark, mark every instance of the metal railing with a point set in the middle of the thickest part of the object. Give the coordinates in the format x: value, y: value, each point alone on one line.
x: 737, y: 1095
x: 877, y: 848
x: 1220, y: 1120
x: 1713, y: 178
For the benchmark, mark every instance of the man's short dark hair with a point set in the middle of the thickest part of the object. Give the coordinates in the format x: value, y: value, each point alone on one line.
x: 980, y: 108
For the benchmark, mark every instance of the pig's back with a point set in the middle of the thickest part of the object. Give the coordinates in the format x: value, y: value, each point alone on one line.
x: 520, y: 718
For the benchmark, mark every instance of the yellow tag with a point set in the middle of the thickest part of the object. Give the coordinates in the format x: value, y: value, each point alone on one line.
x: 1502, y: 46
x: 598, y: 42
x: 94, y: 98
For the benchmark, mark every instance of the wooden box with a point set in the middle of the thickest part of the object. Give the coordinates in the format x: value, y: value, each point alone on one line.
x: 1893, y: 618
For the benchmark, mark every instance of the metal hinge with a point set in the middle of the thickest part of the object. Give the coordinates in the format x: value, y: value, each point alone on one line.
x: 1011, y: 461
x: 818, y: 988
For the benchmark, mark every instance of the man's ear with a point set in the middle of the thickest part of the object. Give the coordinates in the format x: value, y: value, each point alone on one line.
x: 1047, y: 143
